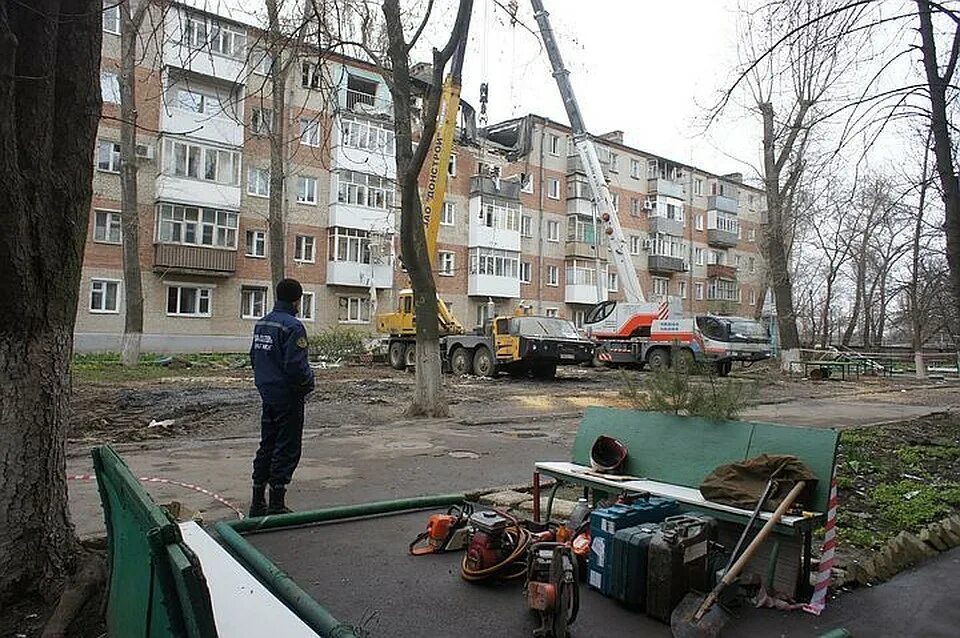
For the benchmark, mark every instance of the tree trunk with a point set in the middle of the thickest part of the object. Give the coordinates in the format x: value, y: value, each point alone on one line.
x: 129, y: 201
x: 278, y: 80
x: 942, y: 142
x: 49, y: 110
x: 913, y: 286
x: 857, y: 301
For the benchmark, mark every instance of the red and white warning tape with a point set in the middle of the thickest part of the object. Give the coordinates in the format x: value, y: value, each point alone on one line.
x: 818, y: 601
x: 154, y: 479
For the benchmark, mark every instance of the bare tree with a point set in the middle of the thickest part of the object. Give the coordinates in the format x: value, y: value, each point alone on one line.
x: 281, y: 59
x: 49, y: 112
x: 428, y: 397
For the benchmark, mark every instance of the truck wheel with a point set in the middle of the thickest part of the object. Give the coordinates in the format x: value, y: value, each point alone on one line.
x: 461, y: 362
x: 518, y: 370
x: 410, y: 355
x: 483, y: 363
x: 396, y: 355
x: 545, y: 371
x: 658, y: 360
x: 685, y: 362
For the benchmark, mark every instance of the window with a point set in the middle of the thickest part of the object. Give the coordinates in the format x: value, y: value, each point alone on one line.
x: 350, y: 244
x: 553, y: 188
x: 581, y: 273
x: 752, y: 265
x: 661, y: 286
x: 307, y: 306
x: 698, y: 256
x: 736, y: 260
x: 613, y: 282
x: 309, y: 133
x: 256, y: 243
x: 553, y: 313
x: 634, y: 206
x: 526, y: 183
x: 698, y: 222
x: 258, y: 181
x: 261, y: 121
x: 698, y: 186
x: 753, y: 297
x: 196, y: 102
x: 448, y: 216
x: 109, y: 87
x: 526, y: 272
x: 682, y: 289
x: 262, y: 61
x: 698, y: 290
x: 184, y: 159
x: 309, y: 76
x: 553, y: 230
x: 739, y: 232
x: 499, y: 263
x: 616, y: 201
x: 253, y: 302
x: 104, y: 296
x: 304, y: 249
x: 188, y: 301
x: 354, y: 310
x: 446, y: 263
x: 723, y: 290
x: 111, y: 16
x: 361, y: 189
x: 553, y: 143
x: 579, y: 316
x: 108, y: 156
x: 307, y: 190
x: 197, y: 226
x: 581, y: 229
x: 209, y: 34
x: 752, y: 234
x: 367, y: 135
x: 452, y: 166
x: 635, y: 244
x: 614, y: 162
x: 502, y: 215
x: 526, y: 226
x: 635, y: 169
x: 106, y: 227
x: 553, y: 276
x: 723, y: 221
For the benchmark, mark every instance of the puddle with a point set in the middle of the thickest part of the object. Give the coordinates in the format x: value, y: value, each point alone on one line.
x: 463, y: 454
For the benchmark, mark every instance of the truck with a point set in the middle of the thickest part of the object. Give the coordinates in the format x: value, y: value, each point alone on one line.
x: 638, y: 331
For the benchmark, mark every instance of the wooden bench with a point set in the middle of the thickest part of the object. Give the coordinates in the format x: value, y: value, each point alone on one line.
x: 170, y: 580
x: 671, y: 455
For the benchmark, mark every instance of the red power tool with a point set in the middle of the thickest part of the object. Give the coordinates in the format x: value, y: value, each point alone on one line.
x: 553, y: 589
x: 445, y: 532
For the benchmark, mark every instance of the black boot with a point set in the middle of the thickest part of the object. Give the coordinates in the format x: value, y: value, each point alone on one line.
x: 277, y: 493
x: 258, y: 505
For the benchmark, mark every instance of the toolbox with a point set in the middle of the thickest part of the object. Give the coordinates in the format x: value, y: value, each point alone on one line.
x: 628, y: 559
x: 677, y: 562
x: 604, y: 524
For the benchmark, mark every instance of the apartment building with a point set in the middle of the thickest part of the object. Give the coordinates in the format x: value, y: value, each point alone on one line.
x: 518, y: 223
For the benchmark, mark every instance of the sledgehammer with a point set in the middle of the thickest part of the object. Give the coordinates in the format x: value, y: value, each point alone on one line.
x: 697, y: 616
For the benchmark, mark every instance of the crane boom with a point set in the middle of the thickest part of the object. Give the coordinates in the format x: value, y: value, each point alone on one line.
x: 587, y: 151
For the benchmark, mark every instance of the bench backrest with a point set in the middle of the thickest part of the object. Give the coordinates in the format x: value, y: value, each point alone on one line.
x: 683, y: 450
x: 156, y: 586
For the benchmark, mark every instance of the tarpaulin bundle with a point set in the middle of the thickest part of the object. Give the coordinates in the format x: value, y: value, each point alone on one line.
x: 742, y: 484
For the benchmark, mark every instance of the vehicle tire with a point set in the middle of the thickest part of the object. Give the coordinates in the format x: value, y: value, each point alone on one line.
x: 484, y: 364
x: 658, y: 359
x: 685, y: 363
x: 410, y: 356
x: 724, y: 368
x: 545, y: 371
x: 461, y: 361
x: 518, y: 370
x: 396, y: 352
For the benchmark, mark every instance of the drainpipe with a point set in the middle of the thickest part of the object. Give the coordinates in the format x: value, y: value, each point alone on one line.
x: 540, y: 310
x: 689, y: 300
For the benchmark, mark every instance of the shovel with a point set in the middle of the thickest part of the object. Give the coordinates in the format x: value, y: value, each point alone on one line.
x: 697, y: 616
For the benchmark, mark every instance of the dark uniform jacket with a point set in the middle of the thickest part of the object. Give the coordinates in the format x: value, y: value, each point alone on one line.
x: 279, y: 356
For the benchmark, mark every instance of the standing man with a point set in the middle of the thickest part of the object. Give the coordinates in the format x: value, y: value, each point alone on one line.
x: 284, y: 378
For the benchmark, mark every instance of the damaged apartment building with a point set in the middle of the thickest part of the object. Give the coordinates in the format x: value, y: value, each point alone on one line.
x: 518, y: 223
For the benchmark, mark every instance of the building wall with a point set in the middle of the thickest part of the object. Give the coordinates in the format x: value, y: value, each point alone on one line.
x: 544, y: 162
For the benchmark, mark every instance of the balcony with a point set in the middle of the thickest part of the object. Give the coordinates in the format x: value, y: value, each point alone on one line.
x: 223, y: 128
x: 664, y: 225
x: 665, y: 187
x: 178, y: 53
x: 362, y: 154
x: 362, y: 217
x: 721, y: 238
x: 583, y: 294
x: 194, y: 260
x: 583, y: 250
x: 185, y: 190
x: 499, y: 188
x: 493, y: 286
x: 723, y: 203
x: 721, y: 271
x: 575, y: 165
x: 352, y: 273
x: 664, y: 264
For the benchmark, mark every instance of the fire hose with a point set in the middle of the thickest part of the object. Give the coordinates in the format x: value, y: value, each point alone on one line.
x: 513, y: 566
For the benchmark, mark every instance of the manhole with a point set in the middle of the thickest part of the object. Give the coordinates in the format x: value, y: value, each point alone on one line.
x: 463, y: 454
x: 530, y: 435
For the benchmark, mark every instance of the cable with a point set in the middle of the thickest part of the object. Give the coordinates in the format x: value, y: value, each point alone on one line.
x: 512, y: 567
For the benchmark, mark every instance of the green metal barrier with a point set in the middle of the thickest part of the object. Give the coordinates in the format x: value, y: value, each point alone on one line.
x: 156, y: 587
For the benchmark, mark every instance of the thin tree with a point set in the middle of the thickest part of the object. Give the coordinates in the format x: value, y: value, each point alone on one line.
x: 49, y: 112
x: 428, y: 399
x: 280, y: 62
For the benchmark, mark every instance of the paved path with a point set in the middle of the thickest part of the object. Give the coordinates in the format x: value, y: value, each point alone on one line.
x: 836, y: 412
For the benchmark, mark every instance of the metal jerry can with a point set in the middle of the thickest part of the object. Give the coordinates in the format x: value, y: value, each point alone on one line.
x: 677, y: 563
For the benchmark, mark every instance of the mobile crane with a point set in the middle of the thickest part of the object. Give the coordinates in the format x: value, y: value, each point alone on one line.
x: 520, y: 344
x: 636, y: 330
